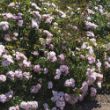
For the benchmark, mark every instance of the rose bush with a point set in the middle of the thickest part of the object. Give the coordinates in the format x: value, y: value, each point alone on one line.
x: 52, y: 53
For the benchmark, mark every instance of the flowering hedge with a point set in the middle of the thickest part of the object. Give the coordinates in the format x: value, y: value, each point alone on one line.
x: 52, y: 53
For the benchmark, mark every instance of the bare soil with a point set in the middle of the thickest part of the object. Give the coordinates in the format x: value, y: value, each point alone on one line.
x: 101, y: 102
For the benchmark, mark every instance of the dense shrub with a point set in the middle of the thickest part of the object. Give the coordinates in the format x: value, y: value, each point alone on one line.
x: 52, y: 52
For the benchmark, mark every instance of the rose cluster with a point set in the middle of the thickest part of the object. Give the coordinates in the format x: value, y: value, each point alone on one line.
x: 52, y: 55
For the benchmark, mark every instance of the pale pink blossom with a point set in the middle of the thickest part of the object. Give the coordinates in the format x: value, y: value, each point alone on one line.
x: 35, y: 89
x: 9, y: 95
x: 48, y: 41
x: 57, y: 74
x: 2, y: 49
x: 81, y: 97
x: 91, y: 59
x: 90, y: 34
x: 4, y: 25
x: 11, y: 75
x: 27, y: 75
x: 26, y: 63
x: 107, y: 64
x: 20, y: 56
x: 14, y: 108
x: 45, y: 70
x: 3, y: 98
x: 64, y: 69
x: 35, y: 24
x: 18, y: 74
x: 9, y: 58
x: 47, y: 18
x: 30, y: 105
x: 70, y: 82
x: 52, y: 56
x: 84, y: 88
x: 61, y: 57
x: 2, y: 78
x: 90, y: 25
x: 47, y: 33
x: 37, y: 68
x: 35, y: 6
x: 20, y: 23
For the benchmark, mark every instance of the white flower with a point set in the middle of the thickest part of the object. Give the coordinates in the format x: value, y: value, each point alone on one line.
x: 57, y: 74
x: 45, y: 70
x: 48, y: 41
x: 47, y: 18
x: 58, y: 98
x: 15, y: 34
x: 18, y: 74
x: 30, y: 105
x: 84, y: 88
x: 93, y: 40
x: 91, y: 59
x: 99, y: 80
x: 33, y: 105
x: 2, y: 49
x: 90, y: 11
x: 35, y: 89
x: 8, y: 15
x: 20, y: 56
x: 37, y: 15
x: 35, y: 24
x: 81, y: 97
x: 27, y: 75
x: 47, y: 33
x: 26, y: 63
x: 62, y: 14
x: 50, y: 85
x: 70, y: 82
x: 23, y: 105
x: 35, y: 6
x: 90, y: 34
x: 3, y: 98
x: 52, y: 56
x: 90, y: 50
x: 2, y: 78
x: 61, y: 57
x: 64, y: 69
x: 11, y: 75
x: 60, y: 104
x: 91, y: 78
x: 14, y: 108
x: 9, y: 58
x: 99, y: 84
x: 107, y: 64
x: 98, y: 64
x: 88, y: 18
x: 90, y: 25
x: 84, y: 45
x: 4, y: 25
x: 20, y: 23
x: 37, y: 68
x: 9, y: 95
x: 90, y: 71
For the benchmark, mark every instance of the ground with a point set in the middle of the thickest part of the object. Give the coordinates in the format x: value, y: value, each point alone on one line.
x: 102, y: 102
